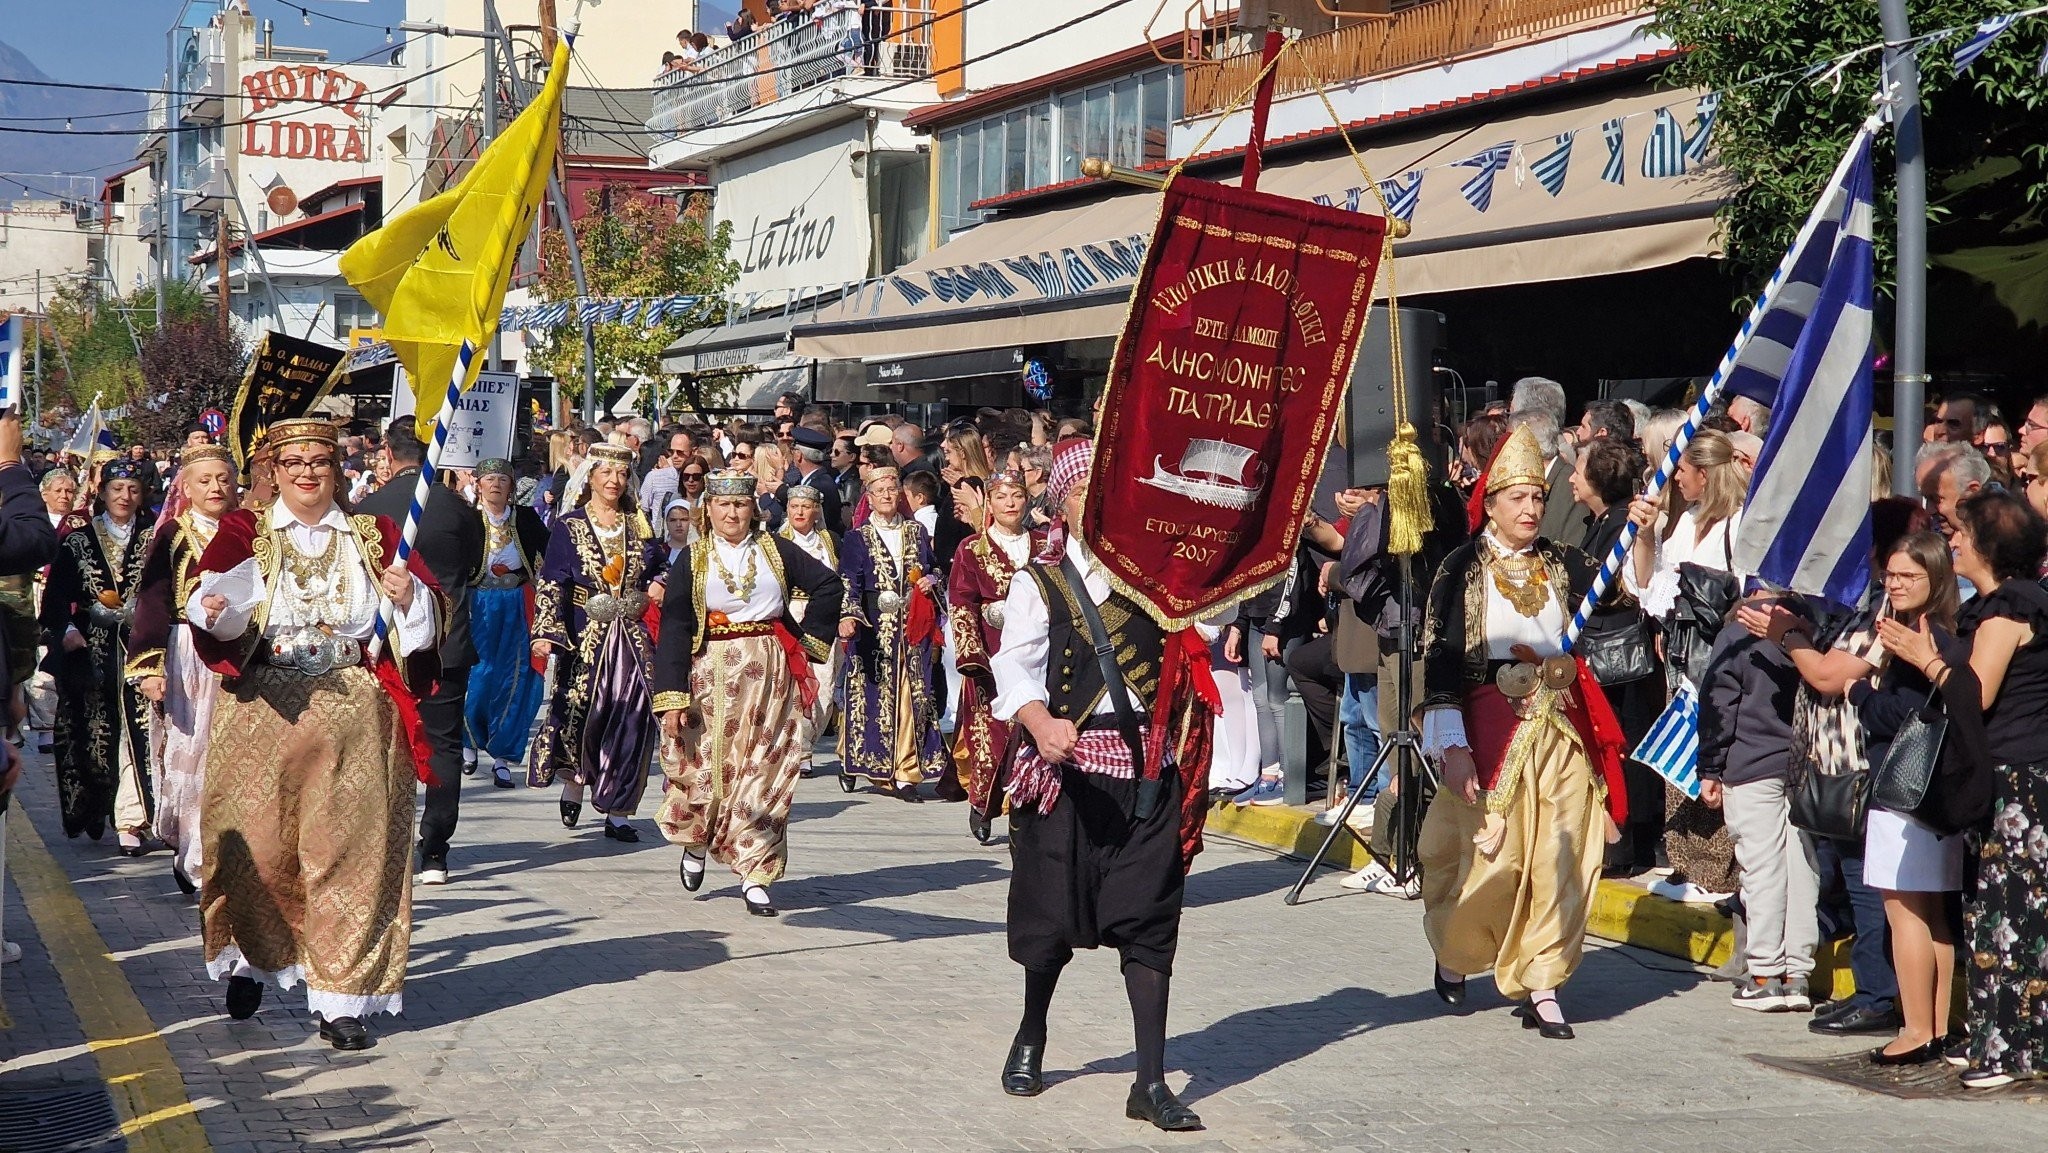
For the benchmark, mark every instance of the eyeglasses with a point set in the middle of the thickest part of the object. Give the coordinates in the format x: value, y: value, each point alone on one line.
x: 696, y: 476
x: 785, y: 436
x: 741, y: 456
x: 1997, y: 447
x: 1903, y: 577
x: 301, y: 466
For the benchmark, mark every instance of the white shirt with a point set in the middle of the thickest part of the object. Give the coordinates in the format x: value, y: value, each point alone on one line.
x: 928, y: 516
x: 1715, y: 550
x: 896, y: 537
x: 812, y: 543
x: 1017, y: 548
x: 766, y: 602
x: 506, y: 554
x: 359, y: 592
x: 1020, y: 663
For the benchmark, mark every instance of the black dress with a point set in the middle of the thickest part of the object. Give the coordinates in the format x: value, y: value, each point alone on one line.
x: 2008, y: 924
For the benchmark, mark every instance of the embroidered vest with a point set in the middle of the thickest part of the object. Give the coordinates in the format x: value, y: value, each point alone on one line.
x: 1073, y: 677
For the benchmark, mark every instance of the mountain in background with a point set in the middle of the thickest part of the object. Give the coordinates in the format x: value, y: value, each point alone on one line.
x: 27, y: 154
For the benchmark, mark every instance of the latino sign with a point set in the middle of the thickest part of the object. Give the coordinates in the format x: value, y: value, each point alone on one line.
x: 1223, y: 393
x: 267, y: 131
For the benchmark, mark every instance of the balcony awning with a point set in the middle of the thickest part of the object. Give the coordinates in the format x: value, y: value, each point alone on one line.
x: 1066, y: 273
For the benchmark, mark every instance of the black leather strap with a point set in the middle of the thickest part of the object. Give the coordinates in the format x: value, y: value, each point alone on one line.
x: 1113, y: 682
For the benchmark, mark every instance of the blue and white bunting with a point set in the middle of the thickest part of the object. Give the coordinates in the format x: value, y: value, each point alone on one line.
x: 1550, y: 169
x: 1403, y: 195
x: 1980, y: 40
x: 1664, y: 155
x: 1696, y: 148
x: 1616, y: 170
x: 1672, y: 746
x: 1478, y: 191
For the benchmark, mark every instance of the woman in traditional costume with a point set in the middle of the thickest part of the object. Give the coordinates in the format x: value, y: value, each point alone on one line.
x: 976, y: 588
x: 804, y: 526
x: 164, y: 663
x: 504, y: 688
x: 594, y: 588
x: 102, y: 729
x: 316, y: 743
x: 890, y: 733
x: 734, y: 684
x: 1532, y: 793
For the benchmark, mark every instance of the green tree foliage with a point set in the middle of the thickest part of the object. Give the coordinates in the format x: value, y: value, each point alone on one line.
x: 1781, y: 128
x: 115, y: 354
x: 633, y: 245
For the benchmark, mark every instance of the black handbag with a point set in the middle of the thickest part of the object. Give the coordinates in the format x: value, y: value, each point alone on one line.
x: 1831, y: 805
x: 1900, y: 783
x: 1621, y: 654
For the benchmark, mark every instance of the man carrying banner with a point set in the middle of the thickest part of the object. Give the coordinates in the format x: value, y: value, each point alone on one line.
x: 1099, y: 838
x: 1512, y: 845
x: 307, y: 813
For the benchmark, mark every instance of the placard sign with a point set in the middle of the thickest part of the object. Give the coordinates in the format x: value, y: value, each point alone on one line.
x: 484, y: 424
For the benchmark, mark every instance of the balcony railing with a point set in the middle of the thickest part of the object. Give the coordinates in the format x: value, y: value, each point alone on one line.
x: 1424, y: 34
x: 789, y: 56
x: 204, y: 103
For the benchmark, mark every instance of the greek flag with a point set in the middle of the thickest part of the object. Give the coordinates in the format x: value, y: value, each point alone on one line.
x: 1616, y: 171
x: 1672, y: 746
x: 1550, y: 169
x: 1806, y: 524
x: 10, y: 361
x: 1664, y: 155
x: 1403, y: 197
x: 1981, y: 39
x: 1478, y: 191
x: 1696, y: 148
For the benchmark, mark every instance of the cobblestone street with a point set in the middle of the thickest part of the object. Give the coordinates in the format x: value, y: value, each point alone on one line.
x: 566, y: 993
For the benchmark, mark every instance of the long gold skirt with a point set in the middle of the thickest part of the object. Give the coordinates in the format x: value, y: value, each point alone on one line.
x: 1522, y: 913
x: 307, y: 822
x: 732, y: 777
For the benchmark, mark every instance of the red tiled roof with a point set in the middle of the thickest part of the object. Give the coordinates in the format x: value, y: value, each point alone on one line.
x: 1559, y: 79
x: 285, y: 229
x: 339, y: 187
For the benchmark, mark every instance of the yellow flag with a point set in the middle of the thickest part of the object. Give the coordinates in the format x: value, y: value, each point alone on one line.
x: 438, y: 272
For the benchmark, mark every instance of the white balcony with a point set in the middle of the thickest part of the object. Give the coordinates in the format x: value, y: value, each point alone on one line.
x: 204, y: 102
x: 209, y: 188
x: 145, y: 216
x: 152, y: 142
x: 790, y: 57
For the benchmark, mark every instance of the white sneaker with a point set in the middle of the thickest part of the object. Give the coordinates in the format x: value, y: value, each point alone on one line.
x: 1365, y: 878
x: 1375, y: 878
x: 1328, y: 816
x: 434, y: 873
x: 1361, y: 818
x: 9, y: 952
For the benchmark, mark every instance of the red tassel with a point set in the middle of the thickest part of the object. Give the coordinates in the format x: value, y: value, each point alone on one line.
x: 799, y: 666
x: 1598, y: 720
x: 923, y: 620
x: 408, y: 708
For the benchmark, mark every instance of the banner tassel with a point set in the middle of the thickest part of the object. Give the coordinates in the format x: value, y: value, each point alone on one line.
x: 1407, y: 493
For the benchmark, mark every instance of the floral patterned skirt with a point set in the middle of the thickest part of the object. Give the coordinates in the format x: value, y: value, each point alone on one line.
x: 2008, y: 939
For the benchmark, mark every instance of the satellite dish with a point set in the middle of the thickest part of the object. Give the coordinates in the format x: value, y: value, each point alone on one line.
x: 282, y: 200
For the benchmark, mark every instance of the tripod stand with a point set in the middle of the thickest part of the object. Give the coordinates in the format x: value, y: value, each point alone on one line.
x: 1403, y: 747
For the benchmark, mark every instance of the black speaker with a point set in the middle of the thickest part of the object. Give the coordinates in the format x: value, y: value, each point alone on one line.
x: 1369, y: 410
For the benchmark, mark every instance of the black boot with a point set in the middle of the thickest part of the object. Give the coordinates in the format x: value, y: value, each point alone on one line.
x: 245, y: 996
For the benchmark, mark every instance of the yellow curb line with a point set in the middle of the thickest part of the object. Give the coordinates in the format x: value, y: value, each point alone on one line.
x: 1622, y: 912
x: 148, y: 1091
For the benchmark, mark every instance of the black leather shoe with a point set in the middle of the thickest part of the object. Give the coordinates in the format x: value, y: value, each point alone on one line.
x: 502, y: 777
x: 980, y: 826
x: 245, y: 996
x: 1157, y: 1104
x: 1922, y: 1055
x: 692, y: 881
x: 1450, y: 992
x: 1531, y: 1019
x: 469, y: 768
x: 1024, y: 1070
x: 762, y: 907
x: 626, y: 833
x: 909, y: 793
x: 572, y: 811
x: 345, y: 1033
x: 186, y: 884
x: 1858, y: 1022
x: 135, y: 850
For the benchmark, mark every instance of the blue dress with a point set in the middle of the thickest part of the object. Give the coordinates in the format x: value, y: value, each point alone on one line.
x: 504, y: 690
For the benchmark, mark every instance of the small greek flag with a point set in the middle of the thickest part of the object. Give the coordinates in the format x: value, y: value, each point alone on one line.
x: 1664, y: 155
x: 1403, y: 196
x: 1981, y: 39
x: 1478, y: 191
x: 1550, y: 170
x: 1696, y: 148
x: 10, y: 362
x: 1672, y: 746
x: 1616, y: 172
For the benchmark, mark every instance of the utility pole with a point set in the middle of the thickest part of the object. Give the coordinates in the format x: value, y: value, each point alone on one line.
x: 1909, y: 335
x: 220, y: 252
x: 36, y: 410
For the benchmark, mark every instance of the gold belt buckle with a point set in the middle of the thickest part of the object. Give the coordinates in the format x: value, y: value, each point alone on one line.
x: 1518, y: 680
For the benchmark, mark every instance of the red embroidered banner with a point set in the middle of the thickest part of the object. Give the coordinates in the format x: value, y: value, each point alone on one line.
x: 1224, y: 392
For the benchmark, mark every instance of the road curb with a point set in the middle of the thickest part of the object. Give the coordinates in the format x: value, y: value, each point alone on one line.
x: 1623, y: 911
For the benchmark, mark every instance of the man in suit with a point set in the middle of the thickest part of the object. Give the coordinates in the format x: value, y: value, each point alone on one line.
x: 451, y: 543
x: 808, y: 449
x: 1564, y: 519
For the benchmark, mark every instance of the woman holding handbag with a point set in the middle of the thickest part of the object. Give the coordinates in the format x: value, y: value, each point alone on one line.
x: 1998, y: 543
x: 1914, y: 866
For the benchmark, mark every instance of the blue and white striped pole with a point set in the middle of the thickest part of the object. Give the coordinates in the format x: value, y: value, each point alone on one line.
x: 387, y: 616
x: 1712, y: 392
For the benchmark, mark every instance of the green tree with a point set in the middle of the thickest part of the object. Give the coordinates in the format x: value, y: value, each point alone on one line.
x: 633, y: 245
x: 1781, y: 128
x: 102, y: 339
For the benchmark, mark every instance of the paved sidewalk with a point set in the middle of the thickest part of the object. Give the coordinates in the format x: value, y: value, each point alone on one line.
x: 567, y: 994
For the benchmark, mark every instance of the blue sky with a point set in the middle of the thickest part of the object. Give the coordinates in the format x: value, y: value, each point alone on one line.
x: 122, y: 41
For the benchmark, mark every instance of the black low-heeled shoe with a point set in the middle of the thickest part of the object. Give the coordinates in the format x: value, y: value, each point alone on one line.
x: 245, y: 996
x: 626, y: 833
x: 982, y: 829
x: 1924, y: 1054
x: 1157, y: 1104
x: 692, y: 881
x: 572, y: 812
x: 186, y: 884
x: 1531, y: 1019
x: 1451, y: 993
x: 1024, y: 1070
x: 502, y: 778
x: 345, y: 1033
x: 909, y: 793
x: 135, y: 850
x: 760, y: 908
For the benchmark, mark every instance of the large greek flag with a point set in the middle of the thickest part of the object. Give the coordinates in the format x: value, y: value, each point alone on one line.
x: 10, y: 361
x: 1672, y: 746
x: 1806, y: 524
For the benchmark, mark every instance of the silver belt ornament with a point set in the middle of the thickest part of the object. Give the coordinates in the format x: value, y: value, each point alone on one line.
x: 606, y: 607
x: 889, y: 601
x: 315, y: 652
x: 992, y: 613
